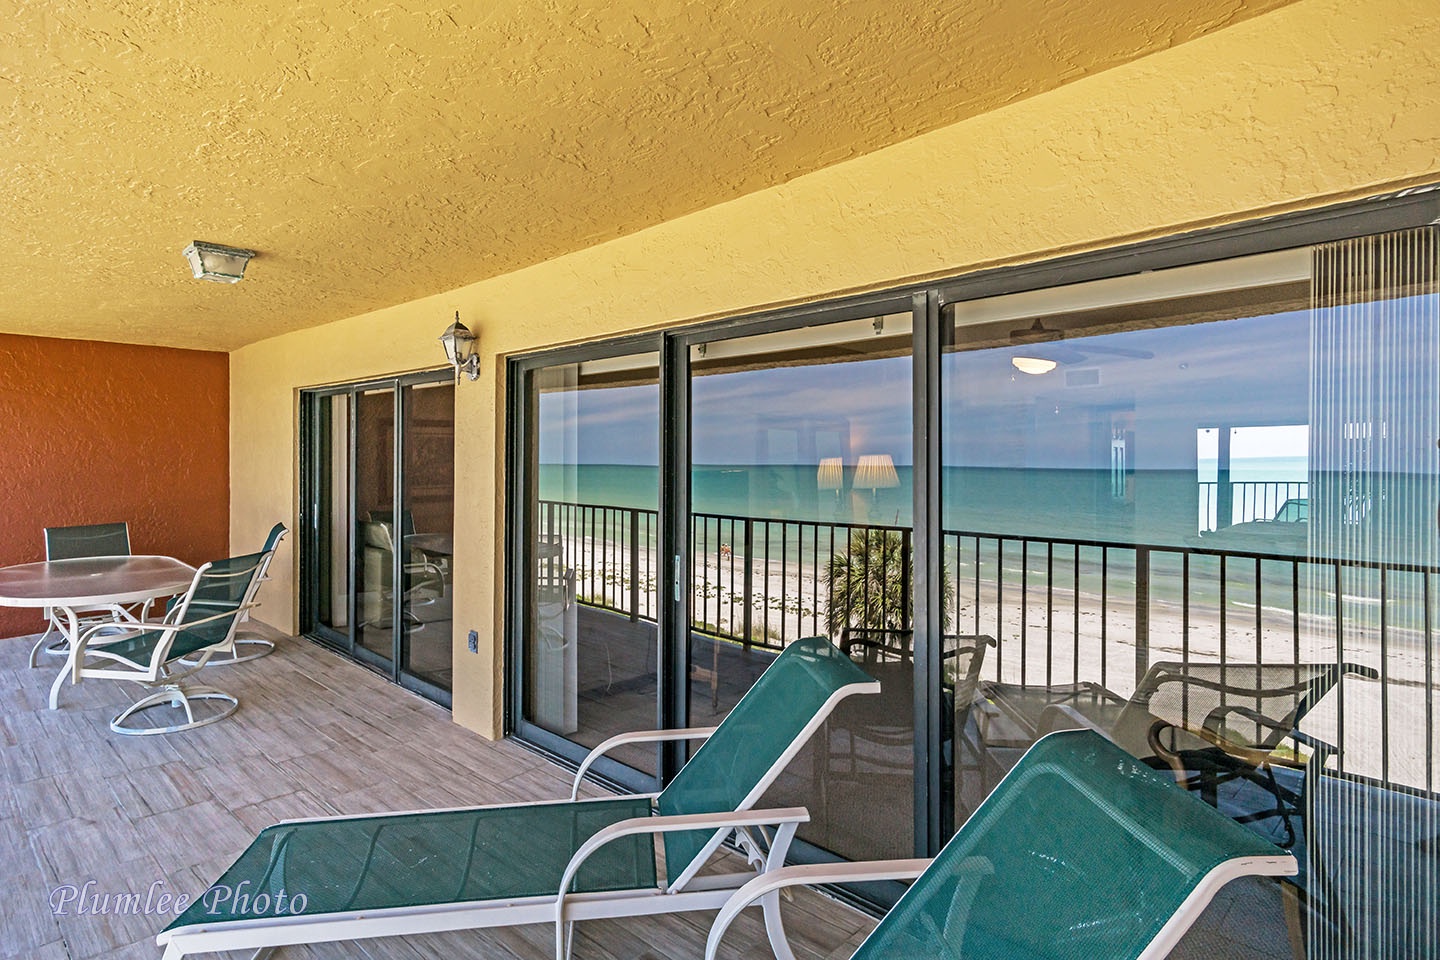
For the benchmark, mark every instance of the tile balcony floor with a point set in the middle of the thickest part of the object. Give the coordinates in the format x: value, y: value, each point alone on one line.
x: 317, y: 735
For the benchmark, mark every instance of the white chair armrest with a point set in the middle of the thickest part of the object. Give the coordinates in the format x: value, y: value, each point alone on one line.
x: 1062, y: 716
x: 672, y: 824
x: 807, y: 875
x: 635, y: 736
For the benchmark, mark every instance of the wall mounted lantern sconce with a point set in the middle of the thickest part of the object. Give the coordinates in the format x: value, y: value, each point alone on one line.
x: 217, y: 262
x: 459, y: 345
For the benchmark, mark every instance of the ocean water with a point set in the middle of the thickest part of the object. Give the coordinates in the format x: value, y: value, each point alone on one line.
x: 1152, y: 507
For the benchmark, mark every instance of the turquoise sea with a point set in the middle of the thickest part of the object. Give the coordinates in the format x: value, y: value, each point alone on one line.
x: 1155, y: 506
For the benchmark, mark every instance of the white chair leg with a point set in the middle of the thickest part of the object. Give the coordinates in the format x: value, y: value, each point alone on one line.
x: 35, y: 650
x: 774, y: 927
x: 564, y: 939
x: 173, y: 696
x: 263, y: 647
x: 49, y: 629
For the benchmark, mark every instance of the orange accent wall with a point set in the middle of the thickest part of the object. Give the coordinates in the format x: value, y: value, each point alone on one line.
x: 99, y: 432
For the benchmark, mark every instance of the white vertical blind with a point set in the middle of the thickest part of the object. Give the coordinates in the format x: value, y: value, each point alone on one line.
x: 1374, y: 834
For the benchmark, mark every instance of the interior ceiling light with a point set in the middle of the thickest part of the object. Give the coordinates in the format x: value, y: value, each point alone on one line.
x: 217, y: 262
x: 1032, y: 365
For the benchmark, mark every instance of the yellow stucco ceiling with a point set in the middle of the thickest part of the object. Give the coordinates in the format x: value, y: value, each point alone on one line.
x: 375, y: 152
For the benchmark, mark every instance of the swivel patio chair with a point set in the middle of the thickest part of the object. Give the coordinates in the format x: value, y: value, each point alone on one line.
x: 423, y: 580
x: 261, y: 645
x: 70, y: 543
x: 880, y: 731
x: 152, y: 653
x: 1080, y: 852
x: 1230, y: 733
x: 348, y: 878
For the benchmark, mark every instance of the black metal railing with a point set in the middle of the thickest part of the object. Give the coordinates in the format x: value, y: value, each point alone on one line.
x: 1062, y: 610
x: 1243, y: 501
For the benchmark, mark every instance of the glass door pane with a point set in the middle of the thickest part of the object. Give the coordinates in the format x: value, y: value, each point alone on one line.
x: 590, y: 655
x: 332, y: 527
x: 376, y: 575
x: 801, y: 500
x: 1196, y: 509
x: 427, y: 532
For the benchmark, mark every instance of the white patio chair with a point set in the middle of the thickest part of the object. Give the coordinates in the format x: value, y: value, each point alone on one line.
x: 152, y: 653
x: 70, y: 543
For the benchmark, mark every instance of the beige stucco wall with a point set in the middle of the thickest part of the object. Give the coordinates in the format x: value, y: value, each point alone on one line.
x: 1319, y: 101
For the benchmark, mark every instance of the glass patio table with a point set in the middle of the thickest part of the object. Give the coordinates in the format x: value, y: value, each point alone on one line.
x: 85, y: 583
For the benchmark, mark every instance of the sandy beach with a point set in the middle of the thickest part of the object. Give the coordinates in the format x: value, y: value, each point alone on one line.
x: 1059, y: 634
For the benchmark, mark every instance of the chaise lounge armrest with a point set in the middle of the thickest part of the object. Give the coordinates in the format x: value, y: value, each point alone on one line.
x: 806, y: 875
x: 785, y: 819
x: 635, y: 736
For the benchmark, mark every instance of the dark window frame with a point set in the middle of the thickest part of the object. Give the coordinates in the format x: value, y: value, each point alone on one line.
x: 927, y: 302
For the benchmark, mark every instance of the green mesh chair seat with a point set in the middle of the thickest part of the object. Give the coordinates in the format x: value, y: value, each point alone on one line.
x: 442, y: 857
x: 1106, y: 848
x: 139, y: 648
x: 724, y: 773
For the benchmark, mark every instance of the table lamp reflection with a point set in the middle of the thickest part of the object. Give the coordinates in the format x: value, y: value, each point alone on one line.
x: 874, y: 472
x: 831, y: 476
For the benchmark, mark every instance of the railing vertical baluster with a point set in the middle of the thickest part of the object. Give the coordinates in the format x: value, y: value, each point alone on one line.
x: 1384, y: 679
x: 1104, y: 615
x: 1224, y: 637
x: 1024, y: 607
x: 784, y: 573
x: 1339, y: 666
x: 1049, y: 613
x: 1142, y: 612
x: 1295, y: 608
x: 907, y: 570
x: 1259, y: 620
x: 815, y: 578
x: 749, y: 582
x: 1429, y: 684
x: 1075, y: 604
x: 634, y: 564
x: 765, y: 589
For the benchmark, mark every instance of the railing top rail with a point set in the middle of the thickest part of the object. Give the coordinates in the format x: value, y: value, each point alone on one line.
x: 1192, y: 549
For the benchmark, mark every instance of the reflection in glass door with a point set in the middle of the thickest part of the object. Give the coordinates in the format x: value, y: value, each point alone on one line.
x: 590, y: 655
x: 378, y: 505
x: 375, y: 592
x: 800, y: 525
x: 329, y: 446
x: 427, y: 531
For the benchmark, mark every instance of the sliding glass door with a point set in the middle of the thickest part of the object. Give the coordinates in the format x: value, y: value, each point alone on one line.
x: 587, y: 666
x: 1185, y: 494
x: 800, y: 449
x: 378, y: 508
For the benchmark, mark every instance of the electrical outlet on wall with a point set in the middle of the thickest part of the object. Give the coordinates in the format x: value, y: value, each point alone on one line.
x: 473, y: 641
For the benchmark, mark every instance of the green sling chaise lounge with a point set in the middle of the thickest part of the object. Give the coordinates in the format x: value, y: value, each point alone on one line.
x: 1082, y: 852
x: 347, y: 878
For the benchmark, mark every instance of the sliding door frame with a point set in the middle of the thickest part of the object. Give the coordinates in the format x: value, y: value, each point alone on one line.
x: 311, y: 449
x: 927, y: 302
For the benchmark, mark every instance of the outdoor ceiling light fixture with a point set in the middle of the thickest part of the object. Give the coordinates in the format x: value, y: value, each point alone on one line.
x: 215, y: 261
x: 459, y: 345
x: 1032, y: 365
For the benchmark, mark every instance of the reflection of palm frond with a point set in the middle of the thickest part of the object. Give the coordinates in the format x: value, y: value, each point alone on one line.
x: 870, y: 584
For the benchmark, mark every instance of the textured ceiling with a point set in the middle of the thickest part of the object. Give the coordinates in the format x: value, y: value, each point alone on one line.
x: 377, y: 152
